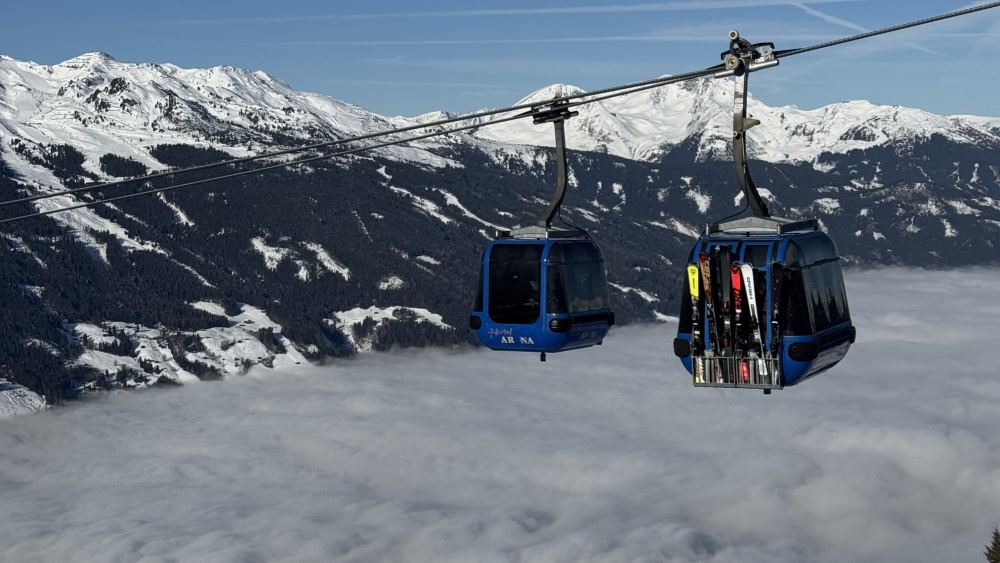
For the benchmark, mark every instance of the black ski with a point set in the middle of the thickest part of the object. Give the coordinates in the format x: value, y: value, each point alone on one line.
x: 720, y: 268
x: 704, y: 264
x: 777, y: 274
x: 723, y: 262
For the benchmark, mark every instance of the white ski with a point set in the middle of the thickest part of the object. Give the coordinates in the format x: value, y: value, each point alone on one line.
x: 751, y: 290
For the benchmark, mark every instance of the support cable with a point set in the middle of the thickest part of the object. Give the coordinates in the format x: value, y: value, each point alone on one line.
x: 534, y: 109
x: 607, y: 93
x: 883, y: 31
x: 253, y: 171
x: 569, y: 101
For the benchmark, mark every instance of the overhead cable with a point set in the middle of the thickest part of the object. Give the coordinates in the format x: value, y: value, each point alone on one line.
x: 571, y: 100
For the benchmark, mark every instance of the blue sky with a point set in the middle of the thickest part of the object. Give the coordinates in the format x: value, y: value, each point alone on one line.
x: 404, y: 58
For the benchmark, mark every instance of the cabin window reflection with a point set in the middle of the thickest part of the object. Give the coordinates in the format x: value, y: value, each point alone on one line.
x: 577, y: 287
x: 515, y: 283
x: 577, y: 281
x: 757, y: 255
x: 797, y: 313
x: 816, y: 299
x: 686, y: 323
x: 826, y: 280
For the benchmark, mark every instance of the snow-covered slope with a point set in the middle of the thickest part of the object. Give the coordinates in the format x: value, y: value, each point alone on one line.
x: 100, y: 105
x: 645, y: 125
x: 16, y: 399
x: 640, y: 126
x: 133, y: 356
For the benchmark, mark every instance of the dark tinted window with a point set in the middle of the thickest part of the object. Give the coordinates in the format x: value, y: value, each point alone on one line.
x: 756, y: 254
x: 514, y: 283
x: 686, y: 321
x: 577, y: 251
x: 577, y: 281
x: 817, y: 248
x: 793, y: 256
x: 815, y: 298
x: 795, y: 306
x: 577, y: 287
x: 829, y: 297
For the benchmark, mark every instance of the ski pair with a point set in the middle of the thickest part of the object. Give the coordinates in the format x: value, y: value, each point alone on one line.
x: 747, y: 271
x: 742, y: 280
x: 704, y: 267
x: 727, y: 337
x: 697, y: 345
x: 718, y: 330
x: 739, y: 338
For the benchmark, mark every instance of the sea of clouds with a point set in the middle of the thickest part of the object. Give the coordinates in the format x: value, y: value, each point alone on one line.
x: 605, y: 454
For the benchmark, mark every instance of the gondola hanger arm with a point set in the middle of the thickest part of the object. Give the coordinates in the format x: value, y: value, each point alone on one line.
x: 740, y: 60
x: 556, y: 114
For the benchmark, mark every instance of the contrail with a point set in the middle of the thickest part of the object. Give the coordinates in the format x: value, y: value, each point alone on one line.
x: 567, y: 10
x: 851, y: 25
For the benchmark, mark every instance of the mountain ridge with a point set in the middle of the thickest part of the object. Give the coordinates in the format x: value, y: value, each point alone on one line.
x: 381, y: 248
x: 703, y: 109
x: 255, y: 107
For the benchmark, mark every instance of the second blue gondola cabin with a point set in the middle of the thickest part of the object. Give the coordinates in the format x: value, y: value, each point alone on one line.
x: 803, y: 316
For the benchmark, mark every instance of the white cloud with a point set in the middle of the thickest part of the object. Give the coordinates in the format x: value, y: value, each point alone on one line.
x: 853, y: 26
x: 830, y: 19
x: 604, y: 454
x: 699, y: 5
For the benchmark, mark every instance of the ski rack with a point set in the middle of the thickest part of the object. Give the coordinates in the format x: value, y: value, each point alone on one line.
x: 745, y: 372
x: 736, y: 363
x: 556, y: 114
x: 740, y: 60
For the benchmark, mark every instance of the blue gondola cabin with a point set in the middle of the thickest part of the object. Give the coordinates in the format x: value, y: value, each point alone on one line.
x: 541, y: 292
x: 800, y: 325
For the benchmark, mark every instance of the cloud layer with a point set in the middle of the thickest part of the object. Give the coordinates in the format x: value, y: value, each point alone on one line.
x: 606, y: 454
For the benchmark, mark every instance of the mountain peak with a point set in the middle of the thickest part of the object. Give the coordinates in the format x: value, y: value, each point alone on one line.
x: 432, y: 117
x: 550, y: 92
x: 88, y: 60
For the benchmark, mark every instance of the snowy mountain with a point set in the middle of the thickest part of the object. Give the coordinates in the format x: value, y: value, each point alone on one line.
x: 379, y: 250
x: 16, y: 399
x: 647, y: 125
x: 98, y: 105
